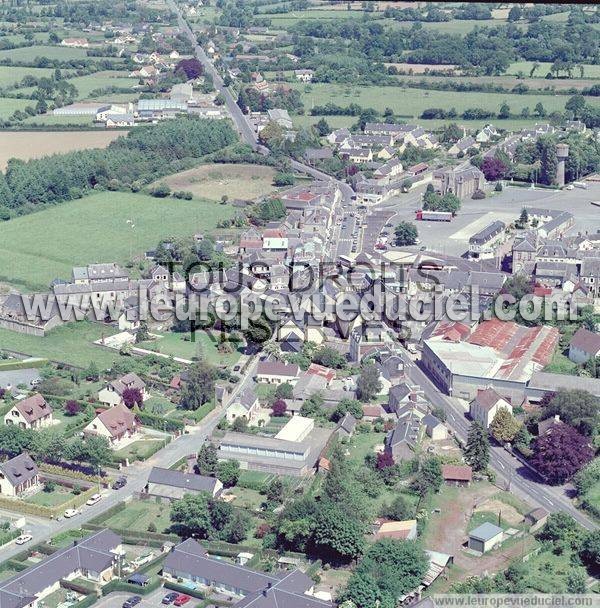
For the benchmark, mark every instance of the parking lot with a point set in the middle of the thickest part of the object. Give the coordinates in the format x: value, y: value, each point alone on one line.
x: 152, y: 600
x: 452, y: 237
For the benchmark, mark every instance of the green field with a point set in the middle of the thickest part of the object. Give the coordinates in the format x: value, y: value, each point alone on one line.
x: 71, y: 343
x: 137, y: 515
x: 9, y: 76
x: 589, y: 70
x: 180, y: 345
x: 51, y: 499
x: 455, y: 26
x: 9, y: 106
x: 50, y: 119
x: 412, y: 102
x: 29, y: 53
x: 36, y: 248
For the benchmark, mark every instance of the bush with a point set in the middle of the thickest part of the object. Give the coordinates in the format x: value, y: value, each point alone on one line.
x: 478, y: 195
x: 161, y: 190
x: 49, y: 487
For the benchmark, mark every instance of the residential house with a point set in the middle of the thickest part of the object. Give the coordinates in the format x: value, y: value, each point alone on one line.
x: 117, y: 424
x: 18, y: 475
x: 276, y: 372
x: 112, y: 393
x: 402, y: 441
x: 584, y: 345
x: 486, y: 405
x: 30, y: 413
x: 94, y: 558
x: 246, y: 406
x: 358, y: 155
x: 485, y: 244
x: 281, y: 117
x: 346, y: 426
x: 190, y: 562
x: 486, y: 134
x: 171, y: 484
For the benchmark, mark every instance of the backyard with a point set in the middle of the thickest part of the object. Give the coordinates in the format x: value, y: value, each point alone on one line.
x: 138, y: 515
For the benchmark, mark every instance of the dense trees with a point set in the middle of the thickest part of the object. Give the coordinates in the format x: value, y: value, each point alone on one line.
x: 560, y: 453
x: 200, y: 386
x: 577, y: 408
x: 405, y: 234
x: 145, y: 154
x: 368, y: 383
x: 435, y: 202
x: 504, y: 426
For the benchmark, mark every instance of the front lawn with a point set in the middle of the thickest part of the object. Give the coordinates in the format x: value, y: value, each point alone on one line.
x: 58, y: 496
x: 139, y: 450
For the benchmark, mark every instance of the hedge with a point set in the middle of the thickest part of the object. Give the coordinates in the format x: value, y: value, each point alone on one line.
x: 160, y: 423
x: 56, y: 469
x: 89, y: 600
x: 7, y: 536
x: 9, y: 364
x: 129, y: 588
x: 120, y: 506
x: 147, y: 537
x: 28, y: 508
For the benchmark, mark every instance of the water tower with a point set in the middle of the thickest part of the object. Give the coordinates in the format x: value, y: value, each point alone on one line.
x: 562, y: 152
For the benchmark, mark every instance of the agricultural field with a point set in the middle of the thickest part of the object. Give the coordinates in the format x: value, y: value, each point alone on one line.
x: 411, y: 102
x: 33, y: 250
x: 51, y: 120
x: 27, y: 54
x: 71, y: 343
x: 9, y: 76
x: 25, y: 145
x: 234, y: 181
x: 589, y: 71
x: 9, y: 106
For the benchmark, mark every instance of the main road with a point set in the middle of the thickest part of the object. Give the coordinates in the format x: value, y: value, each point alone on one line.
x: 519, y: 478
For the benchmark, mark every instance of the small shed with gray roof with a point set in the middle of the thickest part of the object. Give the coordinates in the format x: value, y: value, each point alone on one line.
x: 485, y: 537
x: 174, y: 484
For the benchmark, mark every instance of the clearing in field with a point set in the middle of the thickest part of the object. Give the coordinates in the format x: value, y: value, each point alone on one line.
x: 36, y: 248
x: 33, y: 144
x: 233, y: 181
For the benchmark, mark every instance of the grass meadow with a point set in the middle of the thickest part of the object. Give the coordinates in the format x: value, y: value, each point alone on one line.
x: 36, y: 248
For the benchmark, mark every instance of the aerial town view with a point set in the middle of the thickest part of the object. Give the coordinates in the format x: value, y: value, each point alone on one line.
x: 299, y: 304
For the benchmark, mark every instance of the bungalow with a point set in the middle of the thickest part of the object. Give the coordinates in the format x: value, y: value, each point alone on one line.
x: 18, y: 475
x: 30, y: 413
x: 118, y: 424
x: 584, y: 345
x: 276, y: 372
x: 94, y: 558
x: 457, y: 475
x: 190, y: 563
x: 486, y: 405
x: 112, y: 393
x: 245, y: 405
x: 174, y: 484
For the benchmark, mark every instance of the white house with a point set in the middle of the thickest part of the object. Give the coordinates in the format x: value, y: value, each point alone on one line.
x: 118, y: 424
x: 112, y: 393
x: 30, y: 413
x: 276, y: 372
x: 486, y: 405
x: 584, y: 345
x: 18, y: 475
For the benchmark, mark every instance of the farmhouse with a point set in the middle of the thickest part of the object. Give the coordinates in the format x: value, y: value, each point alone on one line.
x: 118, y: 424
x: 584, y: 345
x: 174, y: 484
x: 18, y: 475
x: 94, y: 558
x: 112, y: 393
x: 485, y: 537
x: 191, y: 563
x: 276, y: 372
x: 30, y: 413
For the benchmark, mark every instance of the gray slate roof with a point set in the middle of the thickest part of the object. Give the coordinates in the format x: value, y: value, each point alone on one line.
x: 177, y: 479
x: 19, y: 469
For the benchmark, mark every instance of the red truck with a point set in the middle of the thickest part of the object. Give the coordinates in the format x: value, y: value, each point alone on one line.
x: 434, y: 216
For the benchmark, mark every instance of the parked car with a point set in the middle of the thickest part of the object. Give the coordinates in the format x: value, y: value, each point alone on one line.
x: 132, y: 601
x: 170, y: 598
x: 24, y: 538
x: 92, y: 500
x: 71, y: 513
x: 119, y: 483
x: 181, y: 599
x: 237, y: 368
